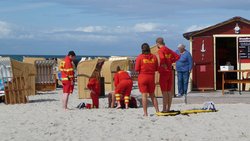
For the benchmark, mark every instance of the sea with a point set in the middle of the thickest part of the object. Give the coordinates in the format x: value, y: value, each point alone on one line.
x: 20, y: 57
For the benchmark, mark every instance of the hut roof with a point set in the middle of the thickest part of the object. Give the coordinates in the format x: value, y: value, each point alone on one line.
x: 234, y: 19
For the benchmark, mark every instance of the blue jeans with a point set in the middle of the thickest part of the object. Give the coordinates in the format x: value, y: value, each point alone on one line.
x: 183, y: 77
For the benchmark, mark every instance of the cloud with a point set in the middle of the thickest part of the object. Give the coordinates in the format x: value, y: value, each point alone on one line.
x: 79, y: 37
x: 145, y: 27
x: 136, y: 28
x: 101, y: 33
x: 90, y: 29
x: 5, y: 29
x: 117, y: 39
x: 195, y: 27
x: 24, y: 36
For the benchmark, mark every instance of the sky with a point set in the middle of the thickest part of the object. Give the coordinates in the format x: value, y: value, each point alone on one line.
x: 106, y: 27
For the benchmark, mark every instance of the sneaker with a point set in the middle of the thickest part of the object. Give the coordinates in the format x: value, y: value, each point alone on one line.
x: 179, y: 95
x: 81, y: 105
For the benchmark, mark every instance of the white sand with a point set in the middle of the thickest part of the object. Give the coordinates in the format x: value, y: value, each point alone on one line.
x: 44, y: 119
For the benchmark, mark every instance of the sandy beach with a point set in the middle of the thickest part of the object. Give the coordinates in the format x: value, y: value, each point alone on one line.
x: 44, y: 119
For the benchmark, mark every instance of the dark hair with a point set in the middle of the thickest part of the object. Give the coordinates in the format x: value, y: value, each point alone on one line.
x: 145, y: 48
x: 160, y: 41
x: 71, y: 53
x: 118, y: 68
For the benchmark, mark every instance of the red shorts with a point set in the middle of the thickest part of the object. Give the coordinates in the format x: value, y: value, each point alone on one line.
x: 165, y: 81
x: 124, y: 87
x: 146, y: 83
x: 67, y: 87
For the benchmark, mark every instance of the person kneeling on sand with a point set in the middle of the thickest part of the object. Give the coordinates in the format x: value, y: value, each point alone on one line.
x: 123, y: 87
x: 94, y: 86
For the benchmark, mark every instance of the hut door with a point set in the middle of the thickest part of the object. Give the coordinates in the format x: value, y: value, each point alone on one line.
x: 203, y: 57
x: 225, y: 52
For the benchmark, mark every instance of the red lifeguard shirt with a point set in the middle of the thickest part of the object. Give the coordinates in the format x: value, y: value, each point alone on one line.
x: 67, y: 70
x: 94, y: 85
x: 167, y: 58
x: 121, y: 75
x: 146, y: 64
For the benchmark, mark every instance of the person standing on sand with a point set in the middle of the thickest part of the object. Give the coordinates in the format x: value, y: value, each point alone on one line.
x: 146, y: 65
x: 166, y: 57
x: 95, y: 88
x: 123, y: 86
x: 67, y: 72
x: 183, y: 67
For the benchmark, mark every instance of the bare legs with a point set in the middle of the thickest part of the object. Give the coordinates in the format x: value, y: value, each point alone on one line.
x: 118, y: 98
x: 65, y: 101
x: 167, y: 101
x: 170, y: 97
x: 118, y: 105
x: 126, y: 105
x: 113, y: 100
x: 126, y: 101
x: 144, y: 103
x: 164, y: 101
x: 155, y: 102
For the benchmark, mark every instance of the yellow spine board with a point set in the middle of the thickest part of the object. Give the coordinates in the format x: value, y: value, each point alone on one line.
x: 185, y: 112
x: 172, y: 113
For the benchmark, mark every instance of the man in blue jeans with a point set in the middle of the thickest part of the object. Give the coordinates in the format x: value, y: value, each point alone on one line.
x: 183, y: 67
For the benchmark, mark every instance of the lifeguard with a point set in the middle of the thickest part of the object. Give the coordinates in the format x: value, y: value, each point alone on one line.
x: 67, y: 72
x: 146, y: 65
x: 166, y: 57
x: 95, y: 88
x: 123, y: 87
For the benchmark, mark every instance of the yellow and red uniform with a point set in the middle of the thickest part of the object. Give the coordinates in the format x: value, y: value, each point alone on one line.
x: 123, y: 86
x: 146, y: 65
x: 67, y: 72
x: 167, y: 58
x: 94, y: 86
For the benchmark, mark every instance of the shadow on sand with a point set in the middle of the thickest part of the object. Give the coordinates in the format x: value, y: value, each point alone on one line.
x: 42, y: 100
x: 149, y: 102
x: 47, y: 93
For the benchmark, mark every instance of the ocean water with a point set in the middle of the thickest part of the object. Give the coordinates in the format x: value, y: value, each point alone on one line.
x: 20, y: 57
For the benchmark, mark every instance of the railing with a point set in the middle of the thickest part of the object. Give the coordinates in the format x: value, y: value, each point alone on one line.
x: 15, y: 90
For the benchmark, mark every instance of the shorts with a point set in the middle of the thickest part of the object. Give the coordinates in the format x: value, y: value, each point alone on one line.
x: 146, y: 83
x: 124, y: 87
x: 166, y: 81
x: 67, y: 87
